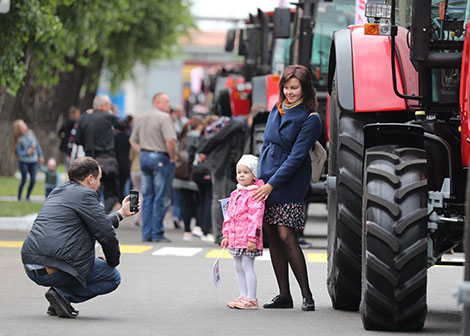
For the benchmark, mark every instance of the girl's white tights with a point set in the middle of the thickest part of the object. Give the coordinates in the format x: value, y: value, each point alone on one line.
x: 244, y: 266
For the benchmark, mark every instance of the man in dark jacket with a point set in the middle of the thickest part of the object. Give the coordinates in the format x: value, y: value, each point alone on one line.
x: 222, y: 151
x: 59, y: 251
x: 95, y: 133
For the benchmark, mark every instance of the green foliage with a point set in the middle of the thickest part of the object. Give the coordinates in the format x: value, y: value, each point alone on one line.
x: 18, y: 209
x: 57, y: 35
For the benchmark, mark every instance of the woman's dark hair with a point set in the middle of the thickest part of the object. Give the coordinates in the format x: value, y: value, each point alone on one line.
x: 80, y: 168
x: 192, y: 124
x: 309, y: 94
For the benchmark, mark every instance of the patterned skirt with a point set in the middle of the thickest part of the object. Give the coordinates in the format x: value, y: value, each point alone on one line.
x: 238, y: 252
x: 287, y: 214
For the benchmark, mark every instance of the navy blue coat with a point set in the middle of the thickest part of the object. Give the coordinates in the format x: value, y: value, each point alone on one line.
x: 284, y: 161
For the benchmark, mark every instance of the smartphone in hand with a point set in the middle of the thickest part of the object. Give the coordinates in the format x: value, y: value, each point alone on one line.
x: 134, y: 200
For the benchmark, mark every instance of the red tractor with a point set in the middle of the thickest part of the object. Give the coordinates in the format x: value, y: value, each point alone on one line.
x: 399, y: 149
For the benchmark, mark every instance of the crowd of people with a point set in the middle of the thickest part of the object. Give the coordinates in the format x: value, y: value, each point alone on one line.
x: 190, y: 164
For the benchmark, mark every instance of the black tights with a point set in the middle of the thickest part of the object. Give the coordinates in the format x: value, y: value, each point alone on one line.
x: 285, y: 250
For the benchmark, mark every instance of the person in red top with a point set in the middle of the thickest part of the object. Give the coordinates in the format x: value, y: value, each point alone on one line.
x: 242, y: 231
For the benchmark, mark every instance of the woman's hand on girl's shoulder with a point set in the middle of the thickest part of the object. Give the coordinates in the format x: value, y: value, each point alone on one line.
x: 262, y: 193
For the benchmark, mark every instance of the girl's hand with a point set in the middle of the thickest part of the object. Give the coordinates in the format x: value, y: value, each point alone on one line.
x: 224, y: 242
x: 262, y: 193
x: 251, y: 246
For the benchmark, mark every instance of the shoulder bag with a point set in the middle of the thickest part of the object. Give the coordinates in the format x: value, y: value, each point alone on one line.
x: 317, y: 159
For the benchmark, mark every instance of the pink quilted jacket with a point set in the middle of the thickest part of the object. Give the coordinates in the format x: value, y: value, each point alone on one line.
x: 244, y: 219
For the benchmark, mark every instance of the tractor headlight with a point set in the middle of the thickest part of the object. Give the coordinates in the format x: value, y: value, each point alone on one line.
x: 378, y: 11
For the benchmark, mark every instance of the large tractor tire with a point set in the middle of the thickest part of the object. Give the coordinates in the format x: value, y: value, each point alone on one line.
x: 466, y: 308
x: 394, y: 245
x: 344, y: 204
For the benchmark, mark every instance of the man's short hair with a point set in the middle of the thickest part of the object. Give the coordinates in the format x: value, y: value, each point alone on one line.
x: 157, y: 95
x: 100, y: 100
x: 82, y: 167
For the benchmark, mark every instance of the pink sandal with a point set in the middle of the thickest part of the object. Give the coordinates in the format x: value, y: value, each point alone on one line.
x: 233, y: 303
x: 247, y: 303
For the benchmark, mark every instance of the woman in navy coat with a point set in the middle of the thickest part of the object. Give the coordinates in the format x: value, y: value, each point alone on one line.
x: 284, y: 166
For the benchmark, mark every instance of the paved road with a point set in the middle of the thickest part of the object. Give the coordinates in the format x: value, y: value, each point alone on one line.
x: 165, y: 294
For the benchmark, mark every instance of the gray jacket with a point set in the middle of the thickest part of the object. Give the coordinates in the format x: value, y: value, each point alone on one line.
x: 64, y: 233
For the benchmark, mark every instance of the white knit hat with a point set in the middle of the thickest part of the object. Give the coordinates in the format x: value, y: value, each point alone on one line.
x: 251, y: 162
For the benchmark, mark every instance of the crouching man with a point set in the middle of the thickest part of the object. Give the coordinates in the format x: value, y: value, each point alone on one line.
x: 59, y: 251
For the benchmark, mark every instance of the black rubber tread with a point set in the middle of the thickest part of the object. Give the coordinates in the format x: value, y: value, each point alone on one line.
x: 344, y: 205
x: 394, y: 244
x: 414, y: 216
x: 466, y: 308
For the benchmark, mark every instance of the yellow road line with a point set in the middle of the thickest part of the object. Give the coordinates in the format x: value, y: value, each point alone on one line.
x: 5, y: 243
x: 311, y: 257
x: 215, y: 253
x: 130, y: 249
x: 134, y: 249
x: 317, y: 257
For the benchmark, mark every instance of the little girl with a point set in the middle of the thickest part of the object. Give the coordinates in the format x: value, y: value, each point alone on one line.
x: 242, y: 231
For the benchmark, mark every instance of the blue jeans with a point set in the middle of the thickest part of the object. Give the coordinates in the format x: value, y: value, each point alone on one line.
x: 157, y: 176
x: 177, y: 204
x: 26, y: 168
x: 104, y: 279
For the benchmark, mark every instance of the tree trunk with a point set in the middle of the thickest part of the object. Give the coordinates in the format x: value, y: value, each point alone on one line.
x: 91, y: 78
x: 8, y: 162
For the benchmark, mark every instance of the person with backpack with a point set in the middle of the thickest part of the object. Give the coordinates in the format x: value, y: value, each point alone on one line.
x: 220, y: 152
x: 95, y: 133
x: 188, y: 142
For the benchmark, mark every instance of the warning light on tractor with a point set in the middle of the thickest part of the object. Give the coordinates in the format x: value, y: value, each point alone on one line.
x: 377, y: 29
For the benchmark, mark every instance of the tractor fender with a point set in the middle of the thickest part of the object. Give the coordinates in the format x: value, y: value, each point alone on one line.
x: 405, y: 135
x: 363, y: 67
x: 341, y: 62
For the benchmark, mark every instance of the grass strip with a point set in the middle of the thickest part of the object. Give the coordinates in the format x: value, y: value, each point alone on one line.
x: 18, y: 209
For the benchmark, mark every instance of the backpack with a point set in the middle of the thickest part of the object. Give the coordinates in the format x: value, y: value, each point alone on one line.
x: 199, y: 173
x: 182, y: 168
x: 317, y: 160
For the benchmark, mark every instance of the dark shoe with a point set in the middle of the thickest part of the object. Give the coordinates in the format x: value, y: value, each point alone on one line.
x: 61, y: 307
x: 176, y: 222
x: 51, y: 311
x: 304, y: 244
x: 279, y: 302
x: 308, y: 304
x: 162, y: 240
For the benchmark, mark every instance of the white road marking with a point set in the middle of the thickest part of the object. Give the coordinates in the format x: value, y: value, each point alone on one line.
x: 177, y: 251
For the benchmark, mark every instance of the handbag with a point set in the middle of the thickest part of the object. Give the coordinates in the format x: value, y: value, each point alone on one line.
x: 317, y: 160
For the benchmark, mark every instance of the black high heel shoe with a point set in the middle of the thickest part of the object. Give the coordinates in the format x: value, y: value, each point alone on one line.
x: 308, y: 304
x: 279, y: 302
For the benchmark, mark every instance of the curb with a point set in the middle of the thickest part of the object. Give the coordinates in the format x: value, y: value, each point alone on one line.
x: 21, y: 224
